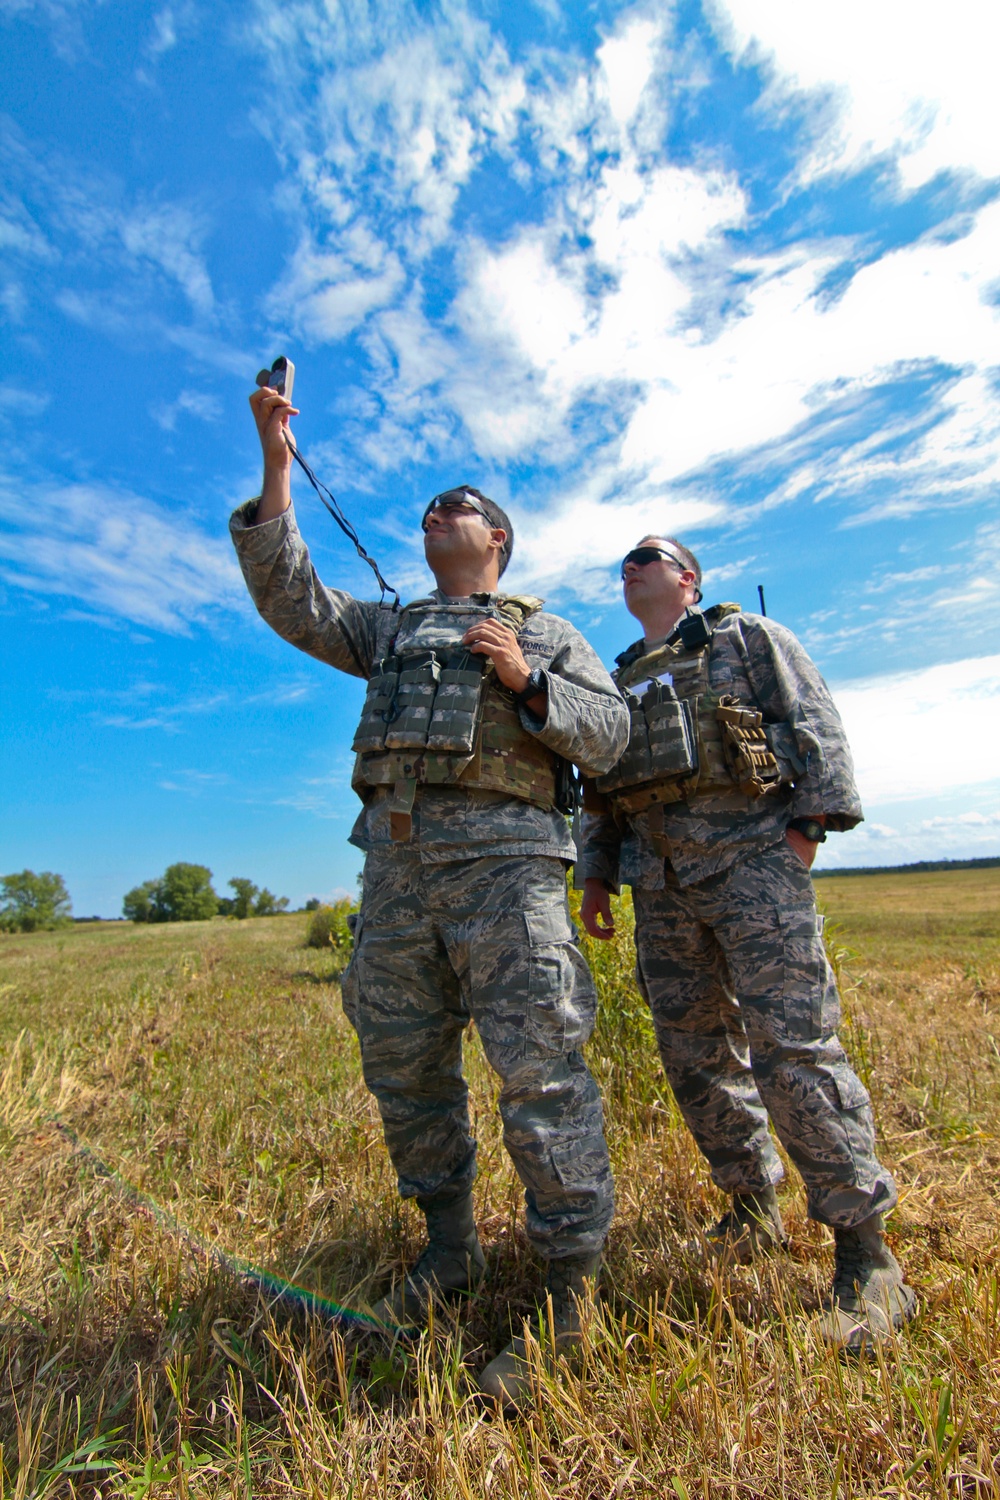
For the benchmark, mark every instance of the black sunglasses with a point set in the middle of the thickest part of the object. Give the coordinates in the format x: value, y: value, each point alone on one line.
x: 454, y: 497
x: 644, y: 555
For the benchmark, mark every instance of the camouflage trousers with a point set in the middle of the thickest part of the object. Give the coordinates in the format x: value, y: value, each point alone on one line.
x: 489, y: 940
x: 746, y: 1011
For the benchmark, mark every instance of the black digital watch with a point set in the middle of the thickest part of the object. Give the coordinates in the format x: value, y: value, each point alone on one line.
x: 534, y: 685
x: 810, y: 829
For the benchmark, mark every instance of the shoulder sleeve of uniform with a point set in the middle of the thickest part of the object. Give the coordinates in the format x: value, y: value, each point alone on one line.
x: 327, y: 623
x: 789, y: 689
x: 586, y: 721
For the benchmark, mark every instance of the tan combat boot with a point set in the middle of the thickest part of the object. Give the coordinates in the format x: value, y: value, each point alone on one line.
x: 751, y: 1228
x: 869, y: 1298
x: 570, y: 1283
x: 449, y: 1268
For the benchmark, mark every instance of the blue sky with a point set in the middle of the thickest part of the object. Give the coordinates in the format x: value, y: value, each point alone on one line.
x: 728, y: 270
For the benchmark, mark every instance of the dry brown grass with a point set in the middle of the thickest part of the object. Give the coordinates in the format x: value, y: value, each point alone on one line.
x: 210, y: 1066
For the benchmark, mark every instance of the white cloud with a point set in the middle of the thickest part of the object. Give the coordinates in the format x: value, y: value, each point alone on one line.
x: 118, y: 552
x: 636, y: 295
x: 971, y: 834
x: 905, y: 77
x: 575, y: 542
x: 404, y: 110
x: 167, y: 25
x: 168, y: 236
x: 206, y: 408
x: 324, y: 295
x: 975, y: 820
x: 627, y: 62
x: 924, y: 733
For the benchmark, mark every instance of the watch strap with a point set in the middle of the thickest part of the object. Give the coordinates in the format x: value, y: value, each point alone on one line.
x: 534, y: 685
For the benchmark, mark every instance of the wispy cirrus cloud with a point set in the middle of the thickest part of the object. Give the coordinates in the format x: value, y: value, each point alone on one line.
x: 131, y: 265
x: 641, y: 317
x: 163, y: 710
x: 117, y: 551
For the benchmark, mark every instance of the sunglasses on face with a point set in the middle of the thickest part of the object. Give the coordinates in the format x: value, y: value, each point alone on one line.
x: 643, y: 555
x: 455, y: 500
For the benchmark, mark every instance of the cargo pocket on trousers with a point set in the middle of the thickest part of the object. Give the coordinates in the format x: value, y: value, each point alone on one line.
x: 561, y: 997
x: 808, y: 991
x: 350, y: 987
x: 850, y: 1090
x: 579, y: 1164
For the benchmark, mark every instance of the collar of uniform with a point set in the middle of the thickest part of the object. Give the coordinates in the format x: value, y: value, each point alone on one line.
x: 639, y: 648
x: 464, y: 598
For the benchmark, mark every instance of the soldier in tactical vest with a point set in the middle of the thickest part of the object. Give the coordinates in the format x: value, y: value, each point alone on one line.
x: 477, y: 705
x: 736, y: 768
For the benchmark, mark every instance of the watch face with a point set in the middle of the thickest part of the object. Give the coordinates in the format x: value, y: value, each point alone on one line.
x: 814, y: 832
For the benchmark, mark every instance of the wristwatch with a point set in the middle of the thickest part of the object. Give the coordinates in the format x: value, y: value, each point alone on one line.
x: 534, y: 685
x: 810, y: 829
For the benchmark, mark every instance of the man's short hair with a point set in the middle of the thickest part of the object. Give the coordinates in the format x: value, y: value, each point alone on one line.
x: 497, y: 518
x: 685, y: 554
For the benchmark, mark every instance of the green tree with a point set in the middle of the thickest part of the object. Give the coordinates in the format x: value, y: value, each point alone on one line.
x: 245, y: 894
x: 29, y: 901
x: 268, y: 905
x: 183, y: 893
x: 142, y: 902
x: 187, y: 894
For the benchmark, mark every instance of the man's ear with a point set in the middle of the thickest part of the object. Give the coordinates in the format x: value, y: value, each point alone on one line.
x: 498, y: 536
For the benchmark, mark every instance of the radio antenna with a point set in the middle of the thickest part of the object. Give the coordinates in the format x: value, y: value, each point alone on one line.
x: 760, y: 592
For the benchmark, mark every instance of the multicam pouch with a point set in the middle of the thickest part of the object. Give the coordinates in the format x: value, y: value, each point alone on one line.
x: 455, y: 714
x: 672, y: 747
x: 379, y: 700
x: 748, y: 755
x: 415, y: 692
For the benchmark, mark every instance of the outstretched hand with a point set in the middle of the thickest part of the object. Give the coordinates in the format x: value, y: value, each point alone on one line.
x: 595, y: 910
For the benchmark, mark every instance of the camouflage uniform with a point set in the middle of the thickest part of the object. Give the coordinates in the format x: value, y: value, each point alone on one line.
x: 730, y: 950
x: 468, y: 919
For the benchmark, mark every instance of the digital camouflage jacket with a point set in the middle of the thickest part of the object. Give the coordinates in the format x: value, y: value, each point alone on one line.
x: 586, y: 721
x: 760, y: 663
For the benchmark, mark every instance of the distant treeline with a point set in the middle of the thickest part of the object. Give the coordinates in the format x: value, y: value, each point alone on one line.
x: 184, y: 893
x: 924, y: 865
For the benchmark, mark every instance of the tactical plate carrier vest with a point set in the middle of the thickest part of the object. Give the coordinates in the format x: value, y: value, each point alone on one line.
x: 684, y: 741
x: 436, y: 714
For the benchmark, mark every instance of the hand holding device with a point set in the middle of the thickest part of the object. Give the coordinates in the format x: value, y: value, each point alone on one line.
x: 280, y: 377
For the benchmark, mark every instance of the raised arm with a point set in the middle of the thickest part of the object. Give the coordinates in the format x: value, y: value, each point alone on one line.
x: 327, y: 623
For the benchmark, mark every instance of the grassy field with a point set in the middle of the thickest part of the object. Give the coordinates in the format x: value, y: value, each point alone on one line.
x: 172, y: 1096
